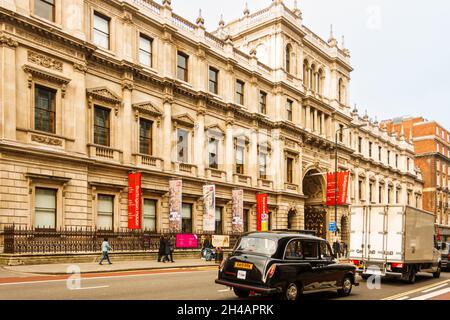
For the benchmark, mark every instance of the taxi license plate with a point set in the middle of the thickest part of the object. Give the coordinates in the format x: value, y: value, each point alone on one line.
x: 241, y: 265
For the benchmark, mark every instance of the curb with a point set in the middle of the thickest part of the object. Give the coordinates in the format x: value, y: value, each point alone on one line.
x: 114, y: 271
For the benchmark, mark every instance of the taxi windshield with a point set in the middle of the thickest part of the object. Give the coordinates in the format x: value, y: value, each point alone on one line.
x: 257, y: 245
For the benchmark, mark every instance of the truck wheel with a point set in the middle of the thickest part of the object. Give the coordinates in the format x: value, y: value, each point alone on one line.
x: 293, y: 292
x: 412, y: 276
x: 437, y: 274
x: 241, y: 293
x: 347, y: 286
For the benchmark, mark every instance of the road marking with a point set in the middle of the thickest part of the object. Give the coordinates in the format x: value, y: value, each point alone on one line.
x: 432, y: 295
x: 224, y: 290
x: 90, y: 288
x: 401, y: 299
x: 415, y: 290
x: 99, y: 278
x: 435, y: 288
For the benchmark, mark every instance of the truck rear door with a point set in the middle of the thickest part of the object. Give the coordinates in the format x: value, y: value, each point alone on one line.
x: 394, y: 233
x: 376, y: 233
x: 357, y: 233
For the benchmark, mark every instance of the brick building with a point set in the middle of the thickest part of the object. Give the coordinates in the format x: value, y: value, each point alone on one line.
x: 432, y: 145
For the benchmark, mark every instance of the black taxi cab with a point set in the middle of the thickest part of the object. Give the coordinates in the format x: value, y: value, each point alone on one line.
x: 284, y: 264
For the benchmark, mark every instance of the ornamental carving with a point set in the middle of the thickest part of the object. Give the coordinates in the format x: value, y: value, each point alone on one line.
x: 80, y: 68
x: 45, y: 61
x: 4, y: 40
x: 47, y: 140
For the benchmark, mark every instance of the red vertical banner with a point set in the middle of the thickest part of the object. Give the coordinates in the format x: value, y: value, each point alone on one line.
x: 342, y: 184
x: 135, y: 201
x: 262, y: 211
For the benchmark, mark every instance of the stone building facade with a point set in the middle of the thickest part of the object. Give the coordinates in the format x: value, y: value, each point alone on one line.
x: 93, y: 90
x: 432, y: 145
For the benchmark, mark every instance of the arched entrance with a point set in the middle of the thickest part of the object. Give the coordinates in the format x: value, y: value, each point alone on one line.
x: 315, y: 212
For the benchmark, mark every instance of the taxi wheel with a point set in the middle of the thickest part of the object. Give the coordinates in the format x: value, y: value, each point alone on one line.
x: 293, y: 292
x: 241, y: 293
x: 347, y: 286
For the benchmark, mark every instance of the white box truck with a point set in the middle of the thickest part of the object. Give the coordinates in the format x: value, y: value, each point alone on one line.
x: 394, y: 240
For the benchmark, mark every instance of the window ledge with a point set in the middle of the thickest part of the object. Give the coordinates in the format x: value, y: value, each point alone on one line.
x: 47, y: 22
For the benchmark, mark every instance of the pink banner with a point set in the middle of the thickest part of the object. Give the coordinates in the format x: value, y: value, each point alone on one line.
x: 187, y: 241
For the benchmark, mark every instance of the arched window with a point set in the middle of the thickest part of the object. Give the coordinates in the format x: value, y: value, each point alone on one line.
x: 305, y: 73
x: 312, y: 77
x: 320, y: 82
x: 288, y: 58
x: 341, y: 91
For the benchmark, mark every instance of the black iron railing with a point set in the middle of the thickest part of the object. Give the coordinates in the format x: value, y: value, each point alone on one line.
x: 23, y: 240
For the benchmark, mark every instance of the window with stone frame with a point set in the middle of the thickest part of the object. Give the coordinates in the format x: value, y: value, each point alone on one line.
x: 149, y: 215
x: 240, y: 87
x: 290, y: 170
x: 45, y: 9
x: 182, y: 66
x: 240, y: 159
x: 45, y: 208
x: 101, y: 30
x: 213, y: 153
x: 289, y: 110
x: 262, y: 102
x: 44, y: 109
x: 102, y: 126
x: 186, y: 218
x: 182, y: 145
x: 105, y: 212
x: 213, y: 80
x: 246, y: 214
x: 145, y: 137
x: 380, y: 194
x: 263, y: 165
x: 145, y: 50
x: 219, y: 220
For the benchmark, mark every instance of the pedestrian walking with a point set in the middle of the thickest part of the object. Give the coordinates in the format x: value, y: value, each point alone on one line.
x: 105, y: 251
x: 171, y: 248
x: 337, y: 248
x: 162, y: 249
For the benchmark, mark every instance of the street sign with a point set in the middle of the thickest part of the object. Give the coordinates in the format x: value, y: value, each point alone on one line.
x: 332, y: 227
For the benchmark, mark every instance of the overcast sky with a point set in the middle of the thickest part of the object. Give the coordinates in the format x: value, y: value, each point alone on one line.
x: 400, y: 48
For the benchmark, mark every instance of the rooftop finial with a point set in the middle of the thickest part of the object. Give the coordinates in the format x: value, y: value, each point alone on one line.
x: 332, y: 40
x: 221, y: 22
x: 246, y: 9
x: 297, y: 10
x: 200, y: 21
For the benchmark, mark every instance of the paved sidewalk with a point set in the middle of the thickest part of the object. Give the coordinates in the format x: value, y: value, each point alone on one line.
x: 63, y: 269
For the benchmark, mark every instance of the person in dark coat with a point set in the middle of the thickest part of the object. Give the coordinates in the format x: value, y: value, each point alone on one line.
x: 337, y: 249
x: 170, y: 247
x: 162, y: 248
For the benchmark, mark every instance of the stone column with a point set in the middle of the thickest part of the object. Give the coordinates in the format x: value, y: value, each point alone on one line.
x: 316, y: 122
x: 8, y: 87
x: 308, y: 119
x: 229, y: 151
x: 357, y: 199
x: 126, y: 132
x: 377, y: 190
x: 167, y: 136
x: 277, y: 161
x: 322, y: 125
x: 199, y: 139
x: 253, y: 157
x: 79, y: 109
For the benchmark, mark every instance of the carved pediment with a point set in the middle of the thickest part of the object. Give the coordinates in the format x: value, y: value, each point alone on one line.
x: 148, y: 108
x: 215, y: 129
x: 184, y: 119
x: 45, y: 75
x: 103, y: 94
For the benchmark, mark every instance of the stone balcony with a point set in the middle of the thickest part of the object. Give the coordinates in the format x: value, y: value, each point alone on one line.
x: 148, y: 161
x: 215, y: 174
x: 104, y: 153
x: 184, y: 168
x: 242, y: 180
x: 265, y: 184
x: 290, y: 187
